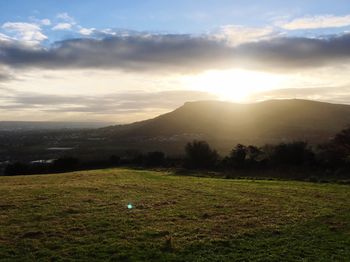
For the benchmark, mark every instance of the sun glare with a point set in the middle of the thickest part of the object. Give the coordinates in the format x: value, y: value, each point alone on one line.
x: 234, y: 85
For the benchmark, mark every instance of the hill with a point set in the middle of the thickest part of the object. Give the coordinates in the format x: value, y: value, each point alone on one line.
x: 224, y: 123
x: 83, y: 216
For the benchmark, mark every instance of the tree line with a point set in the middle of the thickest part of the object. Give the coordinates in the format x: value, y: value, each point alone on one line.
x: 332, y: 157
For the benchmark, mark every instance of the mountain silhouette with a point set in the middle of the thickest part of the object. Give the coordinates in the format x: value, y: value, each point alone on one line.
x: 225, y: 123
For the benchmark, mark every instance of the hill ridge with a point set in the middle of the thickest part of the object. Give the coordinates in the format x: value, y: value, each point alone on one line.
x: 223, y: 122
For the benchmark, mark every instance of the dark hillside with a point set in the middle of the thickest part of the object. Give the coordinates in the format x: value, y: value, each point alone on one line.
x: 223, y: 122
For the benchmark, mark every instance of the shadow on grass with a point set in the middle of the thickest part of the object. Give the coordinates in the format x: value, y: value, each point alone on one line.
x: 271, y: 175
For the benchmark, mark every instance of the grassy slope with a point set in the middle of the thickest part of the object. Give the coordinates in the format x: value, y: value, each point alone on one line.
x: 83, y: 215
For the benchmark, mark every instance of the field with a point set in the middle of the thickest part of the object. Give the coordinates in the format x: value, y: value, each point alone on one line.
x: 84, y: 216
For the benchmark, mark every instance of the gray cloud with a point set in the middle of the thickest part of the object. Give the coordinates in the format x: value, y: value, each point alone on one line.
x: 4, y: 77
x: 133, y: 53
x: 178, y: 53
x: 5, y: 74
x: 106, y: 104
x: 295, y: 53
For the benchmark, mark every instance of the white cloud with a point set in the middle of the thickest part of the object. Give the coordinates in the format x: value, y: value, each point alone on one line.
x: 26, y: 32
x: 86, y: 31
x: 65, y: 17
x: 45, y: 22
x: 315, y: 22
x: 4, y: 37
x: 108, y: 31
x: 236, y: 34
x: 62, y: 26
x: 67, y: 24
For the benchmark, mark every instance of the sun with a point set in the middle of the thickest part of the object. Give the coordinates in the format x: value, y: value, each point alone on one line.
x: 234, y: 85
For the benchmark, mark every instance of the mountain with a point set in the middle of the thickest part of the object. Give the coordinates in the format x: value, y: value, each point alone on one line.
x: 224, y: 123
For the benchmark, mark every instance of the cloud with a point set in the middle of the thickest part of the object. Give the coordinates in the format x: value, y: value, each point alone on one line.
x: 109, y: 104
x: 86, y: 31
x: 66, y: 17
x: 4, y: 38
x: 295, y: 53
x: 27, y: 33
x: 133, y: 53
x: 109, y: 32
x: 45, y: 22
x: 62, y: 26
x: 4, y: 77
x: 236, y: 35
x: 180, y: 53
x: 67, y: 22
x: 316, y: 22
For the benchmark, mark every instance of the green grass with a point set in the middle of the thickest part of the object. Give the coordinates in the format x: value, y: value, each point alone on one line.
x: 84, y: 216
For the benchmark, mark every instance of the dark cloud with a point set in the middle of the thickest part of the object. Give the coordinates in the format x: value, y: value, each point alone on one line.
x: 295, y: 53
x: 106, y: 104
x: 132, y: 53
x: 179, y: 53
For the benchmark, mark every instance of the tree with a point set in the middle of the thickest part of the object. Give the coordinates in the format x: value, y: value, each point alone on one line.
x: 237, y: 156
x: 294, y: 154
x: 200, y: 155
x: 337, y: 151
x: 253, y: 153
x: 342, y: 140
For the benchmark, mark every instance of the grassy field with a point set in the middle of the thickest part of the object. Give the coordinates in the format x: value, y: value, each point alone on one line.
x: 84, y: 216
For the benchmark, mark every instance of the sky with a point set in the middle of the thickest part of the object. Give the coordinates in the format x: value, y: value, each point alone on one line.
x: 124, y: 61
